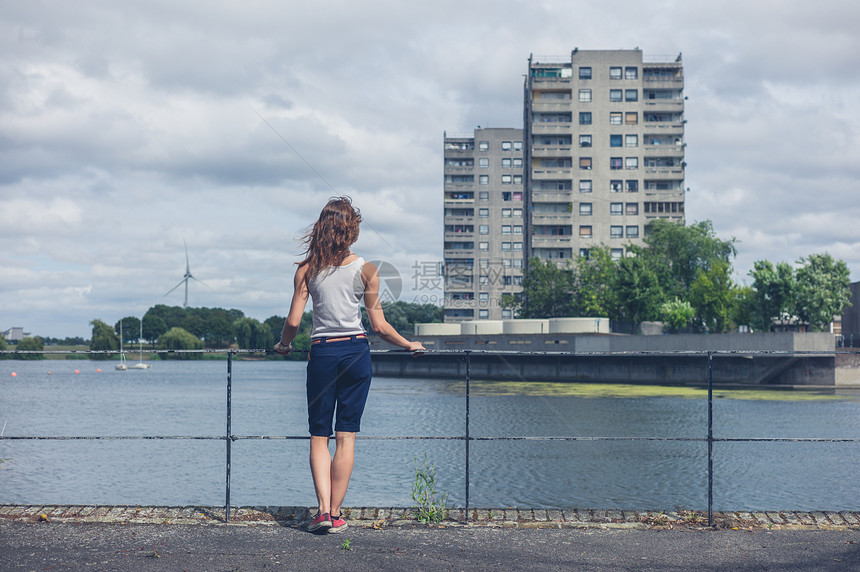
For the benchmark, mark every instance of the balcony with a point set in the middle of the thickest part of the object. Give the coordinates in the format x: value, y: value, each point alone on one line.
x: 547, y: 151
x: 550, y: 128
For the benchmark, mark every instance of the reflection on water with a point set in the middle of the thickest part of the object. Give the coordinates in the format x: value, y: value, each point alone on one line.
x: 188, y: 399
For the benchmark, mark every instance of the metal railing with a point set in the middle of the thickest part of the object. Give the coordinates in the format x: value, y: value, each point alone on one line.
x: 466, y: 356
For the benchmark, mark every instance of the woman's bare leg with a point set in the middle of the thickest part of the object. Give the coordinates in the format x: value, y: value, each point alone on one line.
x: 341, y: 468
x: 321, y: 470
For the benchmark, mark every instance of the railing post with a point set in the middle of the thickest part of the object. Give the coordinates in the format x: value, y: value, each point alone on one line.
x: 229, y: 432
x: 710, y: 439
x: 468, y: 405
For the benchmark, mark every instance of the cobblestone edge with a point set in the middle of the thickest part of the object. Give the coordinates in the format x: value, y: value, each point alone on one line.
x: 385, y: 517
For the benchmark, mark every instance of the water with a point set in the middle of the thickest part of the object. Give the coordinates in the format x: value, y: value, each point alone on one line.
x: 189, y: 399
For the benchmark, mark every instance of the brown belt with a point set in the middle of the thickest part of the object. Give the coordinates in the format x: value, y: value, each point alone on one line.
x: 341, y: 339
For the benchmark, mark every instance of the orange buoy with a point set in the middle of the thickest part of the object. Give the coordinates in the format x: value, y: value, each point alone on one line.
x: 77, y: 371
x: 99, y: 370
x: 14, y: 374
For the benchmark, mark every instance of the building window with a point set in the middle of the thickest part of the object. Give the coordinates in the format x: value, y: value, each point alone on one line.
x: 616, y: 231
x: 483, y: 229
x: 584, y: 95
x: 616, y: 253
x: 585, y: 231
x: 615, y: 140
x: 518, y: 229
x: 483, y: 213
x: 631, y: 72
x: 633, y: 186
x: 518, y: 162
x: 506, y: 196
x: 615, y: 208
x: 615, y: 94
x: 484, y: 246
x: 518, y: 145
x: 584, y: 209
x: 483, y: 146
x: 518, y: 212
x: 585, y: 186
x: 631, y: 94
x: 518, y: 247
x: 518, y: 179
x: 483, y: 163
x: 631, y: 140
x: 631, y: 163
x: 506, y: 247
x: 517, y: 280
x: 585, y: 118
x: 506, y: 229
x: 506, y: 145
x: 518, y: 262
x: 615, y: 118
x: 633, y: 231
x: 631, y: 118
x: 585, y: 253
x: 483, y: 179
x: 616, y: 163
x: 585, y: 73
x: 507, y: 179
x: 631, y: 209
x: 615, y: 73
x: 518, y: 196
x: 507, y: 314
x: 484, y: 280
x: 483, y: 314
x: 484, y: 196
x: 506, y: 163
x: 585, y: 140
x: 615, y: 186
x: 506, y: 213
x: 483, y: 263
x: 585, y: 163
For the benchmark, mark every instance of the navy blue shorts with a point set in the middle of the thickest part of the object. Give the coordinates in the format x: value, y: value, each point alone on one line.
x: 338, y: 377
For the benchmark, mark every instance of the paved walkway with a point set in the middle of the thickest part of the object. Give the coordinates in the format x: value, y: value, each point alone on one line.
x: 379, y: 518
x: 73, y: 538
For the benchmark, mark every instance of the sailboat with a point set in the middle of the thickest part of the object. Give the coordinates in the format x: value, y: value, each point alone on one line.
x: 121, y: 365
x: 140, y: 364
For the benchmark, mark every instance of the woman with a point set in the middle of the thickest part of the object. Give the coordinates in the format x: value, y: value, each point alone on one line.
x: 339, y: 370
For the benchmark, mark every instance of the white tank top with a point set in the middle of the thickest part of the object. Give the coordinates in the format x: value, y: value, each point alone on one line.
x: 336, y: 293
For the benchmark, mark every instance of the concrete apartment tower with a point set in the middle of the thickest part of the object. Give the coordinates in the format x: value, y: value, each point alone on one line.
x: 484, y: 222
x: 604, y: 150
x: 600, y: 155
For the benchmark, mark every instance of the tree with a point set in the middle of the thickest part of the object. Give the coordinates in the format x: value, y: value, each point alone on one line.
x: 3, y: 347
x: 676, y: 314
x: 253, y: 334
x: 179, y: 339
x: 594, y: 276
x: 712, y: 297
x: 130, y: 329
x: 153, y: 326
x: 103, y: 339
x: 637, y: 293
x: 276, y: 324
x: 774, y: 294
x: 822, y: 289
x: 547, y: 291
x: 33, y: 344
x: 677, y: 253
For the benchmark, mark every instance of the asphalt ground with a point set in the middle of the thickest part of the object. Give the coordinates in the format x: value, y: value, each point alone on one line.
x: 59, y: 546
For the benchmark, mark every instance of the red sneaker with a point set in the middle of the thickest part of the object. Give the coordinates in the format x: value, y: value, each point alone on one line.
x: 321, y: 521
x: 338, y: 524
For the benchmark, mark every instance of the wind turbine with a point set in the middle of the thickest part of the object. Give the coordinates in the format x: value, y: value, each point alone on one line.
x: 187, y: 277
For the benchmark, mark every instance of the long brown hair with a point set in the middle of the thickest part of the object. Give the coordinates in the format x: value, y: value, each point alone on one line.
x: 329, y: 239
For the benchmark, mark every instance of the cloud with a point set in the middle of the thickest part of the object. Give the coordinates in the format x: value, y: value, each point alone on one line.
x: 128, y: 128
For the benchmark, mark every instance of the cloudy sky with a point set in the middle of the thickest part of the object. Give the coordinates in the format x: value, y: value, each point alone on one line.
x: 129, y: 127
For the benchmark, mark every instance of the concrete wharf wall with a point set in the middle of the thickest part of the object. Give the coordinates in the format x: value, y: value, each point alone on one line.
x: 553, y: 357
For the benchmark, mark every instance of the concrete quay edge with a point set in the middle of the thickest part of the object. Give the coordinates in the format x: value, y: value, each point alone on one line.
x: 380, y: 518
